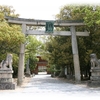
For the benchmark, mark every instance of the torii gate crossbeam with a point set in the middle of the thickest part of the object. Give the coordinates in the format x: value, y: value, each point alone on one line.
x: 57, y: 23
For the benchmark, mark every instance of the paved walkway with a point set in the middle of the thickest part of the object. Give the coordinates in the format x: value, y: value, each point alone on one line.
x: 44, y: 87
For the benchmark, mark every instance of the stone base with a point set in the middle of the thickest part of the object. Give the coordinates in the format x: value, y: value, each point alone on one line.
x: 70, y: 77
x: 27, y: 75
x: 6, y: 80
x: 7, y: 86
x: 93, y: 83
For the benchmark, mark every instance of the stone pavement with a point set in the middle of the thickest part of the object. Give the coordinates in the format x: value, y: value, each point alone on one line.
x: 44, y: 87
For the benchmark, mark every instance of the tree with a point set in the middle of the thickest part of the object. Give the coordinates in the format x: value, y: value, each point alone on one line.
x: 10, y: 35
x: 90, y: 15
x: 58, y: 53
x: 32, y: 49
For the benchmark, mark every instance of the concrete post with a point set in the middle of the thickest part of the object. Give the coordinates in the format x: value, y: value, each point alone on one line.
x: 27, y: 73
x: 21, y: 60
x: 75, y: 54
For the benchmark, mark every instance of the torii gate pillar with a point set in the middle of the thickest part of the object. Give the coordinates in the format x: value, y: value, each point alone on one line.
x: 75, y: 54
x: 21, y: 60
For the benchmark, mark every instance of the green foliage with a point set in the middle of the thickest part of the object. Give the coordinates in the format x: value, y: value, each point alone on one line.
x: 15, y: 64
x: 10, y: 36
x: 59, y: 48
x: 32, y: 62
x: 32, y: 48
x: 58, y: 52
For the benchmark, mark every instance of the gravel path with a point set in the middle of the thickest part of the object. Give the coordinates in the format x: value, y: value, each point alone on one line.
x: 43, y: 87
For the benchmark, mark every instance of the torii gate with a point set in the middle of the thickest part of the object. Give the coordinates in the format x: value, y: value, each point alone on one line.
x: 57, y: 23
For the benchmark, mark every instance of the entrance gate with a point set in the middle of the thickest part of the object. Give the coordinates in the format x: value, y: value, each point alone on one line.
x: 57, y: 23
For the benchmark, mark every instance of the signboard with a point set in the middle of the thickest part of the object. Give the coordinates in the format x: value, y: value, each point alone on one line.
x: 49, y: 27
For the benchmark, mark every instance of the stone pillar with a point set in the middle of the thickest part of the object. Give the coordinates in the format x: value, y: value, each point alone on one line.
x: 75, y: 54
x: 21, y: 60
x: 66, y: 71
x: 27, y: 73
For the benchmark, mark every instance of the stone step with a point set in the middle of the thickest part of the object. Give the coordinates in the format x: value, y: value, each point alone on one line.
x: 93, y: 83
x: 95, y: 78
x: 7, y: 86
x: 6, y: 80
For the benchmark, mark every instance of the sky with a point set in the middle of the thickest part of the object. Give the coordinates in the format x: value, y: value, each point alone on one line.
x: 42, y: 9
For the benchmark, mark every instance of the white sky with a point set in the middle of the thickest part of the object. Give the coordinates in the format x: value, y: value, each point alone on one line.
x: 41, y: 9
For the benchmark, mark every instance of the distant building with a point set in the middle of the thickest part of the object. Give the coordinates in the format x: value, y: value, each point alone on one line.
x: 41, y: 66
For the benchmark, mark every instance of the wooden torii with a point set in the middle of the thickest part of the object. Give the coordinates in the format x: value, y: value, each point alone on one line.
x: 57, y: 23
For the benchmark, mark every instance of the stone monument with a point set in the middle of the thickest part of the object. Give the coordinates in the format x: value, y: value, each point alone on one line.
x: 6, y: 80
x: 95, y: 71
x: 27, y: 73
